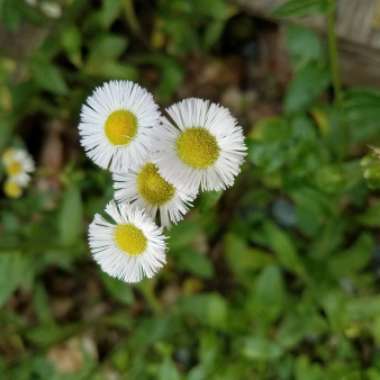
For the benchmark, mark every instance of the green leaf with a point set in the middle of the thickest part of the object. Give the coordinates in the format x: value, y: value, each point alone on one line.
x: 45, y: 335
x: 208, y: 200
x: 168, y: 370
x: 72, y: 42
x: 195, y: 263
x: 41, y: 305
x: 109, y: 12
x: 48, y: 77
x: 70, y: 218
x: 112, y: 70
x: 284, y: 248
x: 107, y: 47
x: 361, y: 106
x: 244, y: 260
x: 257, y: 348
x: 183, y: 234
x: 371, y: 216
x: 172, y: 75
x: 303, y: 44
x: 11, y: 13
x: 304, y: 89
x: 119, y: 290
x: 305, y: 370
x: 13, y: 268
x: 269, y: 294
x: 354, y: 259
x: 208, y: 308
x: 301, y: 8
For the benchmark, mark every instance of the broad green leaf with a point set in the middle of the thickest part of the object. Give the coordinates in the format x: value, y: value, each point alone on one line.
x: 13, y: 268
x: 269, y: 295
x: 118, y: 289
x: 48, y: 77
x: 354, y: 259
x: 195, y: 263
x: 361, y: 106
x: 109, y: 12
x: 284, y: 248
x: 70, y: 219
x: 183, y: 234
x: 257, y: 348
x: 244, y: 260
x: 363, y: 308
x: 108, y: 47
x: 303, y: 323
x: 305, y: 370
x: 208, y: 308
x: 301, y: 8
x: 41, y: 305
x: 11, y: 14
x: 45, y: 335
x: 209, y: 200
x: 71, y: 42
x: 112, y: 70
x: 307, y: 85
x: 304, y: 45
x: 168, y: 370
x: 371, y: 216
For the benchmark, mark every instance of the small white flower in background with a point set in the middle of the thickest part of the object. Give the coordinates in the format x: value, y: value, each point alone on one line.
x: 145, y: 188
x: 51, y: 9
x: 18, y: 165
x: 32, y: 3
x: 200, y: 146
x: 116, y: 125
x: 130, y: 248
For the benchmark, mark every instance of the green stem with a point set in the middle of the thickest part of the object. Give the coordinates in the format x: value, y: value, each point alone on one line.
x: 333, y: 53
x: 335, y: 74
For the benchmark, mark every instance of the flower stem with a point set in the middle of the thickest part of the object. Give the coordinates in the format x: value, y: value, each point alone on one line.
x: 333, y: 52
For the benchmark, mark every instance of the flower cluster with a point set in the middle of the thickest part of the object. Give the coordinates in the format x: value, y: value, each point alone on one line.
x: 159, y: 164
x: 18, y: 165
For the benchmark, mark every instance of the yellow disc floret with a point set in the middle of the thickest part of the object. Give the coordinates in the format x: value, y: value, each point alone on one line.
x: 12, y: 189
x: 130, y: 239
x: 120, y: 127
x: 197, y: 148
x: 152, y: 187
x: 14, y: 168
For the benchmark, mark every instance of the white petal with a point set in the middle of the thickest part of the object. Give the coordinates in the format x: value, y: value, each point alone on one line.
x: 173, y: 211
x: 219, y: 122
x: 118, y: 263
x: 110, y: 97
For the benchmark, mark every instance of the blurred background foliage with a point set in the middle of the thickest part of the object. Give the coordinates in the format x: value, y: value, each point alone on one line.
x: 278, y: 278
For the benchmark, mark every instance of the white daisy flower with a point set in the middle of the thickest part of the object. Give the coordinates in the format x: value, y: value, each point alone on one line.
x: 199, y: 145
x: 132, y: 248
x: 145, y: 188
x: 51, y: 10
x: 18, y: 165
x: 116, y: 124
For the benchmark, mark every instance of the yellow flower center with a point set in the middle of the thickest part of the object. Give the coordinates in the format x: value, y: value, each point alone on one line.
x: 130, y: 239
x: 14, y: 168
x: 12, y: 189
x: 152, y: 187
x: 121, y: 127
x: 197, y: 148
